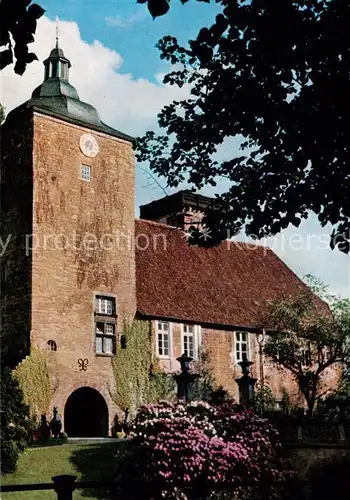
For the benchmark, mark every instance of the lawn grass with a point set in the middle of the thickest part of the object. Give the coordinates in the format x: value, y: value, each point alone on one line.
x: 89, y: 462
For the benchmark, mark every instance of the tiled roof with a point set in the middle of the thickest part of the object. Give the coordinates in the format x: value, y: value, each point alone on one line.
x: 231, y: 284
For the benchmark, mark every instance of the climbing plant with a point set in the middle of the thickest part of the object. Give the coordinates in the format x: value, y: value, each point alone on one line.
x: 138, y: 377
x: 161, y: 386
x: 131, y: 365
x: 33, y: 378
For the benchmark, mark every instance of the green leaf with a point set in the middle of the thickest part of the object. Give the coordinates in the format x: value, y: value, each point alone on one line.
x: 262, y: 76
x: 6, y: 58
x: 31, y: 57
x: 158, y: 8
x: 36, y: 11
x: 20, y: 67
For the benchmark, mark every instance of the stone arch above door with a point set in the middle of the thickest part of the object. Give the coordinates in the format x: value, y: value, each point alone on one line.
x: 86, y: 413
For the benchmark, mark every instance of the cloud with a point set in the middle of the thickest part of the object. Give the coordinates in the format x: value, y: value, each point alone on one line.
x: 128, y: 104
x: 131, y: 105
x: 125, y: 22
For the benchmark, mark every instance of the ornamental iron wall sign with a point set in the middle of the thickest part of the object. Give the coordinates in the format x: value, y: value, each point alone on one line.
x: 83, y: 363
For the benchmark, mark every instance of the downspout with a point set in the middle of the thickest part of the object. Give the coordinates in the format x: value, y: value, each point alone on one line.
x: 261, y: 341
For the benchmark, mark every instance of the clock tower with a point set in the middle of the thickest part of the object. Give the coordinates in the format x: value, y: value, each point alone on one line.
x: 68, y: 263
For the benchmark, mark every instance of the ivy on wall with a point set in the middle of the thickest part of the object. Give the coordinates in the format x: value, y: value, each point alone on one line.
x: 138, y: 376
x: 34, y: 380
x: 161, y: 385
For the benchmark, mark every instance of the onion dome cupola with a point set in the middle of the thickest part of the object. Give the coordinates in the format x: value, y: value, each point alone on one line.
x: 57, y: 97
x: 56, y: 77
x: 57, y: 65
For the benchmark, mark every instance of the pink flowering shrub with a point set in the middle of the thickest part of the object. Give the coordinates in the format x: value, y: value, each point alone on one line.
x: 198, y: 450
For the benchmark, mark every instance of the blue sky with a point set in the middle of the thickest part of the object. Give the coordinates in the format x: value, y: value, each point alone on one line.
x: 116, y: 68
x: 129, y: 28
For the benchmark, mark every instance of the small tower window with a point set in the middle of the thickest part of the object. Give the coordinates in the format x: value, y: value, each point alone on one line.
x: 51, y: 345
x: 64, y: 70
x: 85, y: 174
x: 54, y: 68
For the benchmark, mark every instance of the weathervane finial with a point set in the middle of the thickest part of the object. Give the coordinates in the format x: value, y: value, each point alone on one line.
x: 56, y: 34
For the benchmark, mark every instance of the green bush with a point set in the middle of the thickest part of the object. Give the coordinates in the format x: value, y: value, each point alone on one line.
x: 34, y: 380
x: 337, y: 404
x: 161, y: 385
x: 16, y: 426
x: 264, y: 400
x: 177, y: 451
x: 9, y: 456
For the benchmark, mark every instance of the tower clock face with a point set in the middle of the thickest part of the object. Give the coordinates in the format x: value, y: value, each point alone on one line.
x: 89, y: 145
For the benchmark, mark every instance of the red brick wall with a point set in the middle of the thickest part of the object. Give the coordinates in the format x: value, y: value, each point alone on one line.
x: 219, y: 343
x: 193, y: 218
x: 68, y: 270
x: 16, y: 222
x: 184, y: 220
x: 50, y: 290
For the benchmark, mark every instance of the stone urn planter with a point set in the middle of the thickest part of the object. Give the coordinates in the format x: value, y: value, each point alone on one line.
x: 56, y: 423
x: 43, y: 430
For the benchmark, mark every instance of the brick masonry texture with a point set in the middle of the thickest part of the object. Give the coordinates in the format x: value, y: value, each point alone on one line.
x: 66, y: 280
x: 59, y: 278
x: 72, y: 239
x: 220, y: 345
x: 16, y: 222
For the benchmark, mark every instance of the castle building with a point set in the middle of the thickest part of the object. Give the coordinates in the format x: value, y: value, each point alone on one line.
x: 76, y: 264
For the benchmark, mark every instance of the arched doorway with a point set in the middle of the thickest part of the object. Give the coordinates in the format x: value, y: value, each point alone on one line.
x: 86, y: 414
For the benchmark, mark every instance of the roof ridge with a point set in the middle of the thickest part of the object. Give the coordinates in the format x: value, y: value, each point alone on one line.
x: 161, y: 224
x: 224, y: 285
x: 234, y: 242
x: 248, y: 244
